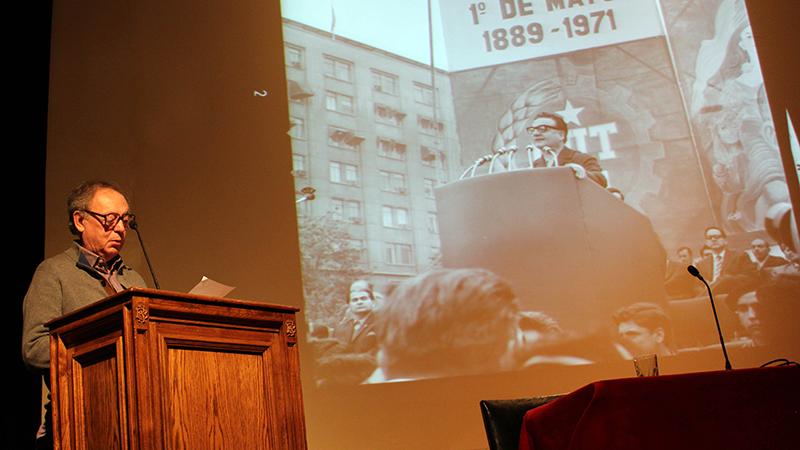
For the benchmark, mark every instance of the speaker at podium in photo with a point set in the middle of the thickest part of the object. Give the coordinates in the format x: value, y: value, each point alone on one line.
x: 568, y: 247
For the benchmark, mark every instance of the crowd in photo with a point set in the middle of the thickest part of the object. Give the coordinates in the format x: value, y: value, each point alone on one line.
x: 742, y: 279
x: 450, y: 322
x: 726, y: 268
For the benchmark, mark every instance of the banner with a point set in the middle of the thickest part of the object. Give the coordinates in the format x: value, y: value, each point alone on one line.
x: 490, y: 32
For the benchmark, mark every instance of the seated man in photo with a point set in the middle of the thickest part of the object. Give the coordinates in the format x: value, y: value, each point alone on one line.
x: 762, y: 257
x: 744, y: 302
x: 724, y: 267
x: 644, y: 328
x: 678, y: 283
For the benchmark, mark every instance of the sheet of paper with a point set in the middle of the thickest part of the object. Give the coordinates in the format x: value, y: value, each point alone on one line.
x: 211, y: 288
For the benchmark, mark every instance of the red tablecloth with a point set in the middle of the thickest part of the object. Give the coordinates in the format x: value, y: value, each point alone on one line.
x: 738, y: 409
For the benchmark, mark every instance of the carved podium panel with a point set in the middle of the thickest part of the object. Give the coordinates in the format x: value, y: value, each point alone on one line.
x: 149, y: 369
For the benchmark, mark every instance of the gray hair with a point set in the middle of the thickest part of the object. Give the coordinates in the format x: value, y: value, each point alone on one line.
x: 81, y: 195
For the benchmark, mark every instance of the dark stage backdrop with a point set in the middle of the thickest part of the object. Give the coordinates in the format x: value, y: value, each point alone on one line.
x: 185, y: 105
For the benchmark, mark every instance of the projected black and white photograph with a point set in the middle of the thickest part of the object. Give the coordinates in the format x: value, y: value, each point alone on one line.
x: 489, y: 186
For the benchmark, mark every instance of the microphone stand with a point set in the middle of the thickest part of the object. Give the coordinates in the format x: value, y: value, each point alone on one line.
x: 135, y: 227
x: 696, y: 273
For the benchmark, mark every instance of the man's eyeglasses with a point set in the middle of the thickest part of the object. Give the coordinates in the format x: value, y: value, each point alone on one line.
x: 109, y: 221
x: 714, y: 236
x: 540, y: 129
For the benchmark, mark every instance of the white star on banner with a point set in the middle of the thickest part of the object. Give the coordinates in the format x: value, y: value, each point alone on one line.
x: 570, y: 113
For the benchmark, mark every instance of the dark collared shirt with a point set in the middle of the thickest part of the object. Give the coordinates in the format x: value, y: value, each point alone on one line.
x: 107, y: 270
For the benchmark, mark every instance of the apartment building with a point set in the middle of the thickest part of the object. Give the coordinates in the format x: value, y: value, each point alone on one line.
x: 374, y: 134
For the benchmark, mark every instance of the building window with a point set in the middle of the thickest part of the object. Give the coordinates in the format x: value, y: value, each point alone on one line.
x: 423, y: 93
x: 346, y: 210
x: 431, y: 157
x: 384, y: 82
x: 391, y: 149
x: 343, y: 173
x: 344, y: 138
x: 393, y: 182
x: 298, y: 162
x: 298, y: 127
x: 394, y: 217
x: 429, y: 126
x: 298, y: 165
x: 389, y: 115
x: 433, y: 224
x: 398, y: 254
x: 429, y: 186
x: 339, y: 69
x: 335, y: 101
x: 294, y: 56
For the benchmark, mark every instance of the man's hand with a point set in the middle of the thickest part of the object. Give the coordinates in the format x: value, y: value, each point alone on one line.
x: 580, y: 172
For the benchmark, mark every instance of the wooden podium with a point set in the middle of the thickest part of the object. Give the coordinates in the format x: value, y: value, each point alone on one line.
x: 151, y: 369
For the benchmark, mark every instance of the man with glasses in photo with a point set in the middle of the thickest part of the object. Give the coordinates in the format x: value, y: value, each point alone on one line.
x: 87, y: 271
x: 724, y: 267
x: 549, y: 134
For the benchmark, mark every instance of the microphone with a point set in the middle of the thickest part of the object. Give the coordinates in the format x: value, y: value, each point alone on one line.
x: 696, y: 273
x: 135, y: 227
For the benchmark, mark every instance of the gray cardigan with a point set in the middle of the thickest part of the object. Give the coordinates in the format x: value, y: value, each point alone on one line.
x: 60, y: 286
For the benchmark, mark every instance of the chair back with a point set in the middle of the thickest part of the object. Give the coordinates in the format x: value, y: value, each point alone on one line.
x: 503, y: 419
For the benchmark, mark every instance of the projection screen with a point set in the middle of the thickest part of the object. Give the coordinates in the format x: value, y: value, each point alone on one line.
x: 409, y: 125
x: 669, y: 99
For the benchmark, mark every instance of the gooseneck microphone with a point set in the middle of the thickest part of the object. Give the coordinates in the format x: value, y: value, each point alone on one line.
x: 696, y: 273
x: 135, y: 227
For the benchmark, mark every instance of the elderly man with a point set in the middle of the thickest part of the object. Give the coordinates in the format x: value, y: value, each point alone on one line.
x: 87, y: 271
x: 644, y: 328
x: 549, y: 134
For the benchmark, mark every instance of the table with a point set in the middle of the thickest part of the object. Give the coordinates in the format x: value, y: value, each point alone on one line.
x: 737, y: 409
